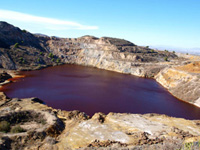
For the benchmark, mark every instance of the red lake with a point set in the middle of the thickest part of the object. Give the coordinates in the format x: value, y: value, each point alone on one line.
x: 91, y: 90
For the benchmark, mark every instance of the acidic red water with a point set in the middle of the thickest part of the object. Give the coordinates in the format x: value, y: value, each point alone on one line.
x: 72, y: 87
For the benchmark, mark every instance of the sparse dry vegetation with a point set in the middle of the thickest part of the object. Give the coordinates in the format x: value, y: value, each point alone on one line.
x: 17, y: 129
x: 4, y: 126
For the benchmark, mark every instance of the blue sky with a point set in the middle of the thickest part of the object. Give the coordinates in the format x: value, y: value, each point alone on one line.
x: 170, y: 23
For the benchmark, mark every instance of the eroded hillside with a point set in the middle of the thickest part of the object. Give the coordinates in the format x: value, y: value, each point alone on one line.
x: 21, y: 50
x: 110, y: 54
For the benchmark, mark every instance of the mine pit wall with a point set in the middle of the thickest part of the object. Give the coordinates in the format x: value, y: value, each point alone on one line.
x: 100, y: 55
x: 180, y: 84
x: 108, y: 59
x: 183, y: 85
x: 105, y: 60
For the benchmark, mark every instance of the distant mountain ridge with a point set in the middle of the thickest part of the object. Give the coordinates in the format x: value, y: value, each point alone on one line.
x: 195, y: 51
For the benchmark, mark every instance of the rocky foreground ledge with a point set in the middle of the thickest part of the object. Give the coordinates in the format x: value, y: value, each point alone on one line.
x: 30, y: 124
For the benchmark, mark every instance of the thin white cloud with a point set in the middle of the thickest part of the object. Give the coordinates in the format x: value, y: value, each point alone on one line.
x: 42, y: 22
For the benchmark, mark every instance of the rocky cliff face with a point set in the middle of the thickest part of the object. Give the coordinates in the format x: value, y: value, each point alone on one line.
x: 20, y: 49
x: 9, y: 35
x: 110, y: 54
x: 182, y: 81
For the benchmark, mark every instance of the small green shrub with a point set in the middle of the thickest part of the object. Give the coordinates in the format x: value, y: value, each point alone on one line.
x: 166, y: 58
x: 38, y: 60
x: 188, y: 146
x: 152, y: 51
x: 24, y: 31
x: 4, y: 126
x: 16, y: 45
x: 52, y: 59
x: 51, y: 55
x: 17, y: 129
x: 166, y: 51
x: 22, y: 60
x: 41, y: 53
x: 57, y: 60
x: 43, y: 121
x: 147, y: 47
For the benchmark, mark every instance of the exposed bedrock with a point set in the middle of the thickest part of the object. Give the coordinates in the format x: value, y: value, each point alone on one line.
x: 21, y: 50
x: 28, y: 124
x: 110, y: 54
x: 182, y: 81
